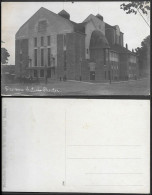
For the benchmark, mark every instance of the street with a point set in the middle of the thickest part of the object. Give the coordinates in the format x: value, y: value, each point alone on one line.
x: 76, y: 88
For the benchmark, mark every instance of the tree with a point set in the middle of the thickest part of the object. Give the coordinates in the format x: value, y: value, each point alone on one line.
x: 134, y: 6
x: 4, y: 56
x: 143, y: 53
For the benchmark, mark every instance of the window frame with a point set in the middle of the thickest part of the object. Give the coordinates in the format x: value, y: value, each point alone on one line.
x: 48, y: 40
x: 35, y: 41
x: 42, y: 41
x: 35, y: 58
x: 41, y: 72
x: 49, y: 56
x: 35, y: 71
x: 42, y: 57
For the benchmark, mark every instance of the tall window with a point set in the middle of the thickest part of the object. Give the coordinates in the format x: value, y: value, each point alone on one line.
x: 35, y: 73
x: 49, y: 57
x: 105, y: 53
x: 42, y: 41
x: 42, y: 57
x: 48, y: 40
x: 64, y: 60
x: 64, y: 42
x: 42, y: 73
x: 35, y: 42
x: 35, y: 57
x: 104, y: 56
x: 114, y: 57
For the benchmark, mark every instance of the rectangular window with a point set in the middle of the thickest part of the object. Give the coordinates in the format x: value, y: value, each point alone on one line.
x: 49, y: 57
x: 104, y: 56
x: 64, y: 60
x: 35, y: 73
x: 48, y: 40
x: 110, y: 56
x: 42, y: 73
x: 42, y: 41
x: 35, y: 42
x: 42, y: 26
x: 53, y: 61
x: 64, y: 42
x: 35, y: 57
x: 42, y: 57
x: 107, y: 55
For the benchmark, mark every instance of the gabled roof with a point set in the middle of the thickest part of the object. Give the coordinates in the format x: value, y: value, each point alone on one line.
x: 42, y: 8
x: 79, y: 27
x: 91, y: 17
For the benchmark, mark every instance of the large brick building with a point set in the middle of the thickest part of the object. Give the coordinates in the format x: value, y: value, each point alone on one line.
x: 52, y: 45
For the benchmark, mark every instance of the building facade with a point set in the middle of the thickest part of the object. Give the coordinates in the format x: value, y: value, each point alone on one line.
x: 51, y: 45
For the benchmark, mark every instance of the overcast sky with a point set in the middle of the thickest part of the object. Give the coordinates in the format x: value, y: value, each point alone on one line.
x: 14, y: 14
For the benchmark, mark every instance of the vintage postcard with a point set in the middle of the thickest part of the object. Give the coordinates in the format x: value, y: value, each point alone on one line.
x: 58, y: 145
x: 75, y: 48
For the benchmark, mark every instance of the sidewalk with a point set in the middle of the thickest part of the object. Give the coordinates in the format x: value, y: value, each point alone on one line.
x: 131, y: 80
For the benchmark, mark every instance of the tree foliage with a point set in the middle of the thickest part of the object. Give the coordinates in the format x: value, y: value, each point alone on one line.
x: 143, y: 53
x: 4, y: 56
x: 144, y: 45
x: 133, y: 6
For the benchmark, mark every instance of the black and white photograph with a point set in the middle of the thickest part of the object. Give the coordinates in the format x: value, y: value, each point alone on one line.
x: 75, y: 88
x: 75, y: 48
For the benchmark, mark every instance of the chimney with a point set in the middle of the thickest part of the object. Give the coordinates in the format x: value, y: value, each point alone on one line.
x: 126, y: 46
x: 99, y: 17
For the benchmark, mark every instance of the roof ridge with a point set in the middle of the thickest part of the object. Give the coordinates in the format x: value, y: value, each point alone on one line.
x: 46, y: 10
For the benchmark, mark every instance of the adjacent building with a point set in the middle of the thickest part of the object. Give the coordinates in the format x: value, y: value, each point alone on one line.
x: 51, y: 45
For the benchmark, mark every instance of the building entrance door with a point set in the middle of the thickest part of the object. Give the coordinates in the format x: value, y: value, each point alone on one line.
x: 92, y: 75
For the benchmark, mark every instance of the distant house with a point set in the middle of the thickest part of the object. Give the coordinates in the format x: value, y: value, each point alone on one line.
x: 52, y: 45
